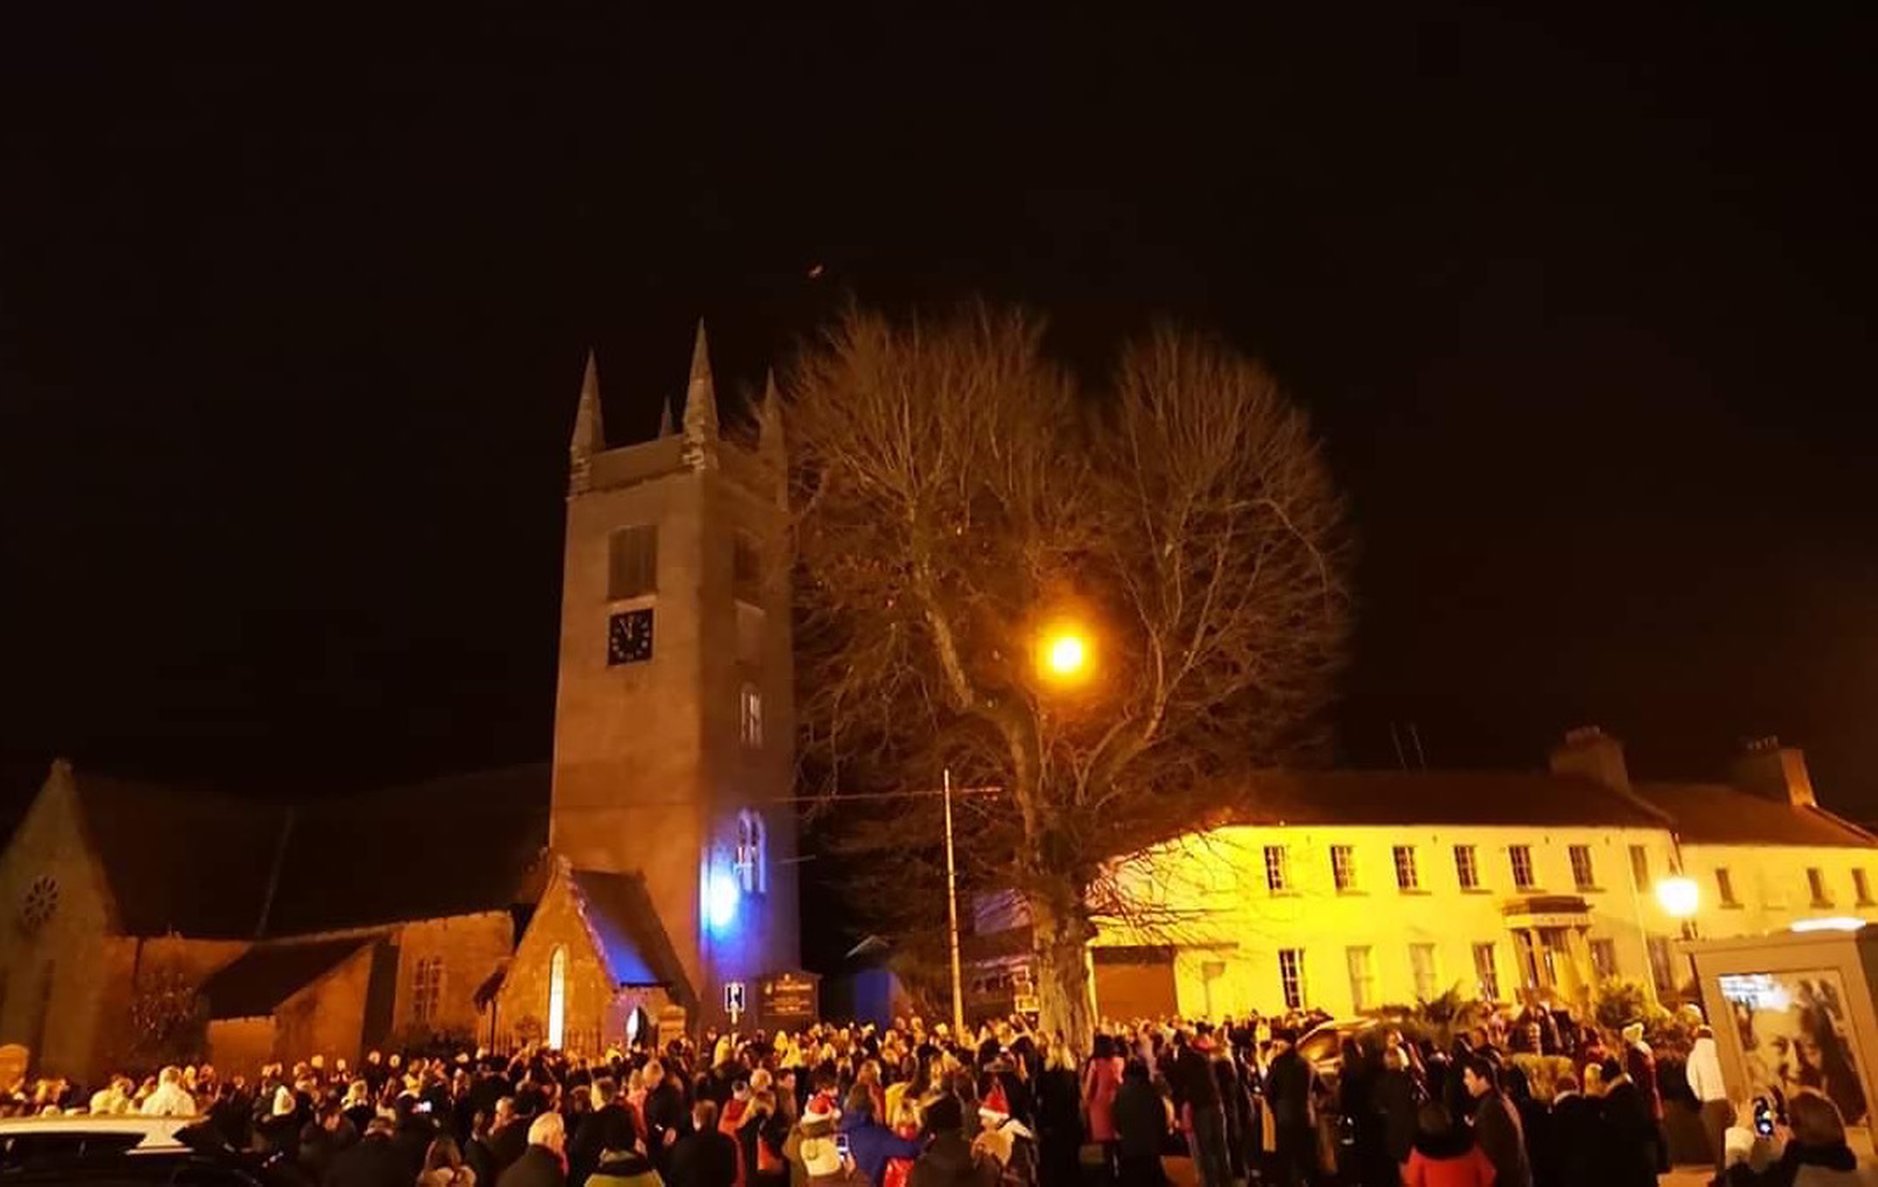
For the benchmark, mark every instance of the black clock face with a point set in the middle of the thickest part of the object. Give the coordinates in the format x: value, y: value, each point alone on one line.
x: 629, y: 637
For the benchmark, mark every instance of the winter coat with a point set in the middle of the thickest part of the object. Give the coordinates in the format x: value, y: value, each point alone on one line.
x: 1395, y: 1098
x: 1288, y: 1089
x: 871, y: 1145
x: 1140, y: 1120
x: 537, y: 1167
x: 375, y: 1162
x: 608, y: 1128
x: 1579, y: 1140
x: 1101, y: 1080
x: 1502, y: 1140
x: 1640, y: 1066
x: 1806, y: 1166
x: 627, y: 1168
x: 1630, y: 1137
x: 950, y: 1162
x: 1450, y: 1160
x: 1704, y: 1071
x: 705, y: 1159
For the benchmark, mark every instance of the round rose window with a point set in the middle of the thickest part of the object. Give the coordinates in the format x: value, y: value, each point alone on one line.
x: 41, y: 900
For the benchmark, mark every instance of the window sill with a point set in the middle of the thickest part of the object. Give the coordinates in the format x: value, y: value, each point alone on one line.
x: 1417, y: 891
x: 1818, y: 905
x: 1282, y: 892
x: 1588, y: 889
x: 1731, y: 906
x: 1476, y: 890
x: 1351, y: 892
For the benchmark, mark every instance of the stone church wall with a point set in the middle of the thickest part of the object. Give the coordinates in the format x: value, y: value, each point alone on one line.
x: 327, y: 1017
x: 239, y: 1046
x: 594, y: 1015
x: 472, y: 947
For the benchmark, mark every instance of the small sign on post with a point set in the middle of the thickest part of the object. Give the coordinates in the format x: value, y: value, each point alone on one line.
x: 734, y: 1000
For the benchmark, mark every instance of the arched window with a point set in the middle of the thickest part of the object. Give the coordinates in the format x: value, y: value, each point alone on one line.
x: 557, y: 997
x: 750, y: 716
x: 752, y: 852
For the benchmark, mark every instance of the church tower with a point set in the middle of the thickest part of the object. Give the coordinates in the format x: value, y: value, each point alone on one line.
x: 674, y: 723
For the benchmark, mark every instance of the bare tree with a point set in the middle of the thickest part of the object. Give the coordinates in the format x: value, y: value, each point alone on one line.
x: 957, y: 494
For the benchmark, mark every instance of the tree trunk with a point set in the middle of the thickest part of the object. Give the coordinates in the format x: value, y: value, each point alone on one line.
x: 1065, y: 997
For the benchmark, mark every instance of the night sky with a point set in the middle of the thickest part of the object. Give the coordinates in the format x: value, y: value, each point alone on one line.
x: 292, y: 320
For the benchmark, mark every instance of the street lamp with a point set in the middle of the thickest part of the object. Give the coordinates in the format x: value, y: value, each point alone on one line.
x: 1679, y: 897
x: 1065, y: 653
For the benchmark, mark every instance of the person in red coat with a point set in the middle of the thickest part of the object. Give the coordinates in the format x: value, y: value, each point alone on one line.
x: 1444, y: 1154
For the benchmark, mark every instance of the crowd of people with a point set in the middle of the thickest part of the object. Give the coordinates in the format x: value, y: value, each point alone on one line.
x: 913, y: 1106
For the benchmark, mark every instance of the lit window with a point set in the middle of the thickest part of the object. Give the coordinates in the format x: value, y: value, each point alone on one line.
x: 752, y: 852
x: 1604, y: 958
x: 1639, y: 867
x: 1422, y: 966
x: 1343, y: 866
x: 633, y: 562
x: 426, y: 989
x: 750, y: 716
x: 1521, y: 856
x: 1861, y: 887
x: 1291, y: 976
x: 1406, y: 875
x: 1583, y: 876
x: 1725, y: 887
x: 1467, y: 867
x: 1816, y: 883
x: 1362, y: 979
x: 557, y: 998
x: 1486, y: 972
x: 1277, y: 868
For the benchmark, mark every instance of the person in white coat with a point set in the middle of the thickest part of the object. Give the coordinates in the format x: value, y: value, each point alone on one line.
x: 1705, y: 1081
x: 170, y: 1099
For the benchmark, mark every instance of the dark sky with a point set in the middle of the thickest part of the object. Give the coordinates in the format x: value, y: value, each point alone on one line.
x: 292, y: 317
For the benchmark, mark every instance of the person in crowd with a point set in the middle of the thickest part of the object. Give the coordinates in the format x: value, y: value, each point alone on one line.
x: 544, y: 1162
x: 444, y: 1167
x: 608, y: 1125
x: 1444, y: 1153
x: 1201, y: 1113
x: 1631, y: 1134
x: 624, y: 1168
x: 1058, y: 1103
x: 1640, y: 1066
x: 323, y: 1138
x: 950, y: 1159
x: 1578, y: 1141
x: 1496, y: 1123
x: 871, y: 1144
x: 705, y: 1157
x: 1140, y: 1126
x: 1815, y: 1154
x: 374, y: 1161
x: 1101, y: 1080
x: 170, y: 1099
x: 1397, y: 1098
x: 1704, y: 1073
x: 1290, y: 1092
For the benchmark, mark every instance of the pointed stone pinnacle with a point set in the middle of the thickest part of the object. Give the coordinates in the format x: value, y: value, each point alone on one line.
x: 701, y: 407
x: 589, y: 430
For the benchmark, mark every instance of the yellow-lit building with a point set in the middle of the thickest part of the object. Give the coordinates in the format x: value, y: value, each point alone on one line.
x: 1351, y: 890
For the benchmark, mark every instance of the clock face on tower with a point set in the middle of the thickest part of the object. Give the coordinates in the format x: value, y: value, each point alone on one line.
x: 629, y: 637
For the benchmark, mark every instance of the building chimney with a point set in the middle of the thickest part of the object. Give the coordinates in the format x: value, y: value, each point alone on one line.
x: 1590, y: 753
x: 1775, y: 772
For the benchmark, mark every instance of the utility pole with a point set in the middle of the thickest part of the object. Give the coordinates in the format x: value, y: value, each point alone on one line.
x: 952, y: 917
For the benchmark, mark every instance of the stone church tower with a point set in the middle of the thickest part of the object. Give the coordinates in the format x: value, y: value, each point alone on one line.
x: 674, y: 729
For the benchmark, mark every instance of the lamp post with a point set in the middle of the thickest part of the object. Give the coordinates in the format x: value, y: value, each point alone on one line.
x: 1680, y: 898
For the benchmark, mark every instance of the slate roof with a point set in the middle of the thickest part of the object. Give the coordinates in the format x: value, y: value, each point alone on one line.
x: 185, y: 861
x: 267, y: 975
x: 632, y: 941
x: 1436, y: 797
x: 1718, y: 814
x: 201, y: 864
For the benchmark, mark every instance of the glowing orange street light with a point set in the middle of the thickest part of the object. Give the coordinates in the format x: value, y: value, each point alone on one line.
x: 1064, y: 654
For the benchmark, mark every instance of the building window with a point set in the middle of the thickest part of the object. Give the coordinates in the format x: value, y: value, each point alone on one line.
x: 752, y: 852
x: 1639, y: 867
x: 1406, y: 875
x: 1816, y: 884
x: 1604, y: 958
x: 1291, y: 976
x: 426, y: 989
x: 557, y: 998
x: 1343, y: 866
x: 746, y: 569
x: 1521, y: 856
x: 1725, y: 887
x: 1467, y: 867
x: 1486, y: 972
x: 1583, y: 876
x: 750, y: 716
x: 1662, y: 965
x: 1861, y: 887
x: 1362, y: 979
x: 1422, y: 966
x: 1277, y: 868
x: 633, y: 562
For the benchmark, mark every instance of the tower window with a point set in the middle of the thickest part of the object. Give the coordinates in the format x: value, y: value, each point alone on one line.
x: 750, y: 716
x: 752, y: 852
x: 633, y: 562
x: 746, y: 569
x: 557, y: 998
x: 426, y: 989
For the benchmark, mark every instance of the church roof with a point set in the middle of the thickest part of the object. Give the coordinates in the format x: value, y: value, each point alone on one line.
x: 268, y: 974
x: 633, y: 943
x: 213, y: 866
x: 184, y: 861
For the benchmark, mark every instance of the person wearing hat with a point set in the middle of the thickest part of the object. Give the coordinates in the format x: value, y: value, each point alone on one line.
x: 1640, y: 1066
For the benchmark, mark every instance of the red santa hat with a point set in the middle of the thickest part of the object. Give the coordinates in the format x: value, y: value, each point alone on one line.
x: 996, y: 1106
x: 821, y: 1109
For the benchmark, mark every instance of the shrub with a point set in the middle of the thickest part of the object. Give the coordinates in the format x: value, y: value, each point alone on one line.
x: 1542, y: 1073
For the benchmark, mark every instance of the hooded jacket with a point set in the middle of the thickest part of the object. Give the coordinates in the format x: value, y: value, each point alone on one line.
x: 1446, y: 1160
